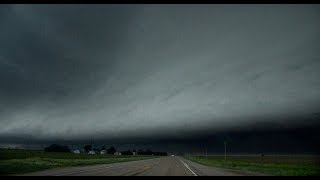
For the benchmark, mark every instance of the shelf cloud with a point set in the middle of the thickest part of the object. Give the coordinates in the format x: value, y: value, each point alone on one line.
x: 144, y: 71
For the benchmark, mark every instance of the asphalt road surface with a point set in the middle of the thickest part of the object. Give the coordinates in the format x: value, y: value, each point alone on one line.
x: 165, y: 166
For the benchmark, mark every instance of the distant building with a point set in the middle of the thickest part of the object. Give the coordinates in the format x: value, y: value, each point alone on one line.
x: 117, y: 153
x: 103, y: 152
x: 76, y: 151
x: 91, y: 152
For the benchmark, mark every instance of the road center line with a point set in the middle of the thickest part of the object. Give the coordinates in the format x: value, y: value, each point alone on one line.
x: 186, y: 165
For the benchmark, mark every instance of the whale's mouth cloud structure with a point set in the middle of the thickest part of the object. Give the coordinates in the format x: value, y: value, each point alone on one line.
x: 148, y: 71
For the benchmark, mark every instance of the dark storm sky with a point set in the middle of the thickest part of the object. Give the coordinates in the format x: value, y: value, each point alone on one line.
x: 157, y: 71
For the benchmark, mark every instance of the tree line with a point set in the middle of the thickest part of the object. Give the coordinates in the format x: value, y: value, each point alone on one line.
x: 111, y: 150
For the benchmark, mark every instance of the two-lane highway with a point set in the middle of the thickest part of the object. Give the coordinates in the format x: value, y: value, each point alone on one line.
x: 165, y: 166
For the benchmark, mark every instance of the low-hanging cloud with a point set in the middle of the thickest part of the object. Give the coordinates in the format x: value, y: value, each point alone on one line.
x: 118, y: 71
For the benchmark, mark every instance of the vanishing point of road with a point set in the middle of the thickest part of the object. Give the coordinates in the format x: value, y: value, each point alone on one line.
x: 164, y: 166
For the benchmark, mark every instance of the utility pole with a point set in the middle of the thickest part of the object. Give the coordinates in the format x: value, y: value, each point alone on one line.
x: 225, y: 150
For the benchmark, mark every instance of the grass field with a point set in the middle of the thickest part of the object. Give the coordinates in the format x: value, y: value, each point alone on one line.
x: 23, y: 161
x: 280, y: 165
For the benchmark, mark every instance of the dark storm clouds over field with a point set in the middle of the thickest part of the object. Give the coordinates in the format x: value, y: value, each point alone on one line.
x: 161, y: 73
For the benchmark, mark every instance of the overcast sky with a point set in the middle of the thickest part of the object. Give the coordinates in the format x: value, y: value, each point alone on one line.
x: 119, y: 71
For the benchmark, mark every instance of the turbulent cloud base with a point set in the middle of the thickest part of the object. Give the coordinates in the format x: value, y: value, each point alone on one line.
x: 121, y: 71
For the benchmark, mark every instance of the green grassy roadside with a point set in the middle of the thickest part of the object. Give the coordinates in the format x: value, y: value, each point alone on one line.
x: 273, y: 165
x: 23, y: 161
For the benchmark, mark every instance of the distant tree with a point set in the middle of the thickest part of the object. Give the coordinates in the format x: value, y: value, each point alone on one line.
x: 160, y: 153
x: 129, y: 152
x: 111, y: 150
x: 87, y: 148
x: 103, y: 148
x: 148, y: 152
x: 57, y: 148
x: 140, y: 152
x: 96, y: 149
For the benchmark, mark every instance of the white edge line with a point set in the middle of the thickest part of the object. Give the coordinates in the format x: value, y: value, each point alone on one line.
x: 186, y: 165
